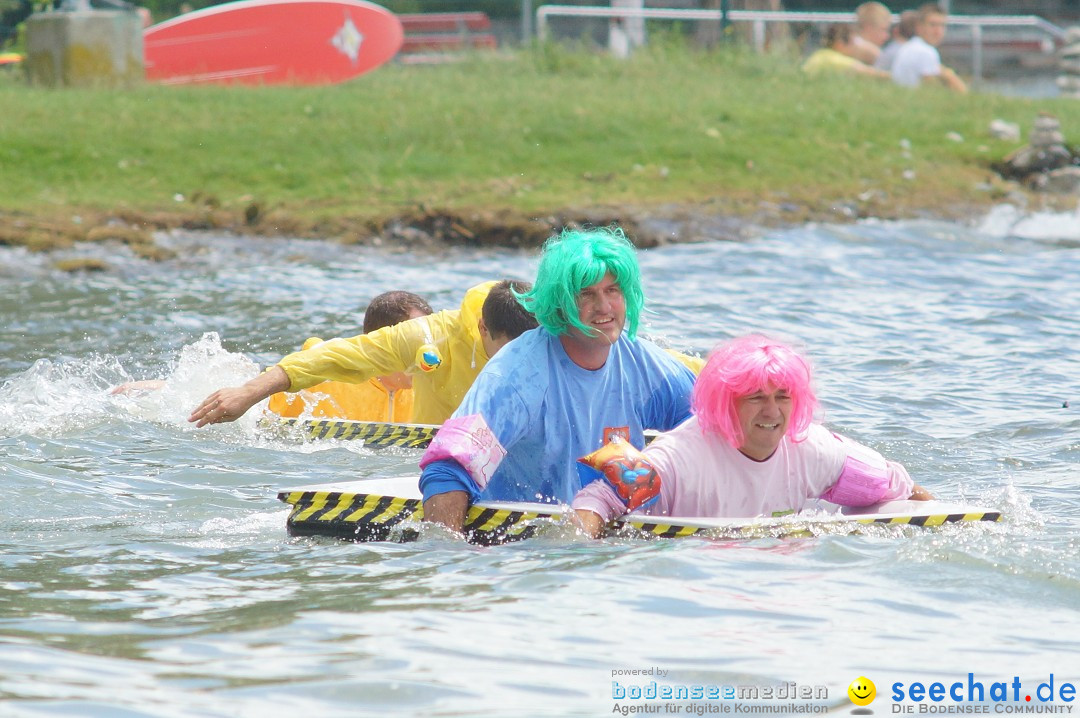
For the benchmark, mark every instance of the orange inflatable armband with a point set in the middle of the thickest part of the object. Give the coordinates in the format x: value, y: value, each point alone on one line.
x: 627, y: 470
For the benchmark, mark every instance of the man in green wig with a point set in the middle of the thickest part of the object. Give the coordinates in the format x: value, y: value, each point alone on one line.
x: 560, y: 391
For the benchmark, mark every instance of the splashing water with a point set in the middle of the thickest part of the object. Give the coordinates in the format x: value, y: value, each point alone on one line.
x: 202, y: 368
x: 61, y: 395
x: 145, y: 569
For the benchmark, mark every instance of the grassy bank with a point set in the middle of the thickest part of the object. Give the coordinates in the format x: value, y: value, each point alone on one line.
x: 527, y: 134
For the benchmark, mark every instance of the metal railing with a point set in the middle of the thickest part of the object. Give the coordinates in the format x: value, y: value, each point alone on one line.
x: 760, y: 18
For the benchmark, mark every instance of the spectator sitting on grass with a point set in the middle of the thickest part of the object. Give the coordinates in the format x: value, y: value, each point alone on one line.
x: 902, y: 31
x: 918, y: 61
x: 872, y: 21
x: 836, y: 56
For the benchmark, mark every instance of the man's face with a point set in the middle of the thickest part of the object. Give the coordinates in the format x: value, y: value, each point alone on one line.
x: 932, y: 29
x: 602, y: 308
x: 763, y: 418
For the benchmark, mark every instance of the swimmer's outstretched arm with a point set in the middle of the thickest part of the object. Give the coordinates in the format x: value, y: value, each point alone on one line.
x: 230, y: 403
x: 136, y: 387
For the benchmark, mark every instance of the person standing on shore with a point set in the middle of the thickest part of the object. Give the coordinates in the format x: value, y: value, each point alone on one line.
x: 918, y: 61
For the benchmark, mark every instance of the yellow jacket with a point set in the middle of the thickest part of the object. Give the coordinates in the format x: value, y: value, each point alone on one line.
x: 369, y: 401
x: 453, y: 334
x: 826, y: 60
x: 693, y: 363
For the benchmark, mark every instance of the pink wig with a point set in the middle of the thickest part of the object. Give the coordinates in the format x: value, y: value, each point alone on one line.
x: 742, y: 367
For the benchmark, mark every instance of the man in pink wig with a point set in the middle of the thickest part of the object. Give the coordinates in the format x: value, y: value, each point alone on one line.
x: 751, y: 449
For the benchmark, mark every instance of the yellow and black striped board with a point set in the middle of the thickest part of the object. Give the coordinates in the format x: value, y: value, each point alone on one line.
x: 896, y: 513
x: 371, y: 510
x: 372, y: 433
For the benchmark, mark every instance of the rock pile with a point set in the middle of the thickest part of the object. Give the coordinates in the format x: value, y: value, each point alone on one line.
x: 1046, y: 162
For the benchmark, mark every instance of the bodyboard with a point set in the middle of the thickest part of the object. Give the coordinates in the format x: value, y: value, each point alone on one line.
x: 372, y: 433
x: 382, y: 509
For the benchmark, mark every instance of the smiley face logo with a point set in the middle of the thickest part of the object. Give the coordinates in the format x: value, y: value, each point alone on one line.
x: 862, y: 691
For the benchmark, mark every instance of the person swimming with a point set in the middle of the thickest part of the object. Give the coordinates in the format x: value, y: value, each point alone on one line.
x: 751, y: 448
x: 443, y: 352
x: 385, y: 398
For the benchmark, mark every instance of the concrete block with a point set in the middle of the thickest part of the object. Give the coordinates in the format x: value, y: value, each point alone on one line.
x: 91, y: 48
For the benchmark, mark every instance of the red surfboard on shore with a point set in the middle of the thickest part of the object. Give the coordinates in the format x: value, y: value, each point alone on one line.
x: 265, y: 42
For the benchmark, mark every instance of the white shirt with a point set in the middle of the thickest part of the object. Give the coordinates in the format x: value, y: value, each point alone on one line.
x: 915, y: 60
x: 888, y: 55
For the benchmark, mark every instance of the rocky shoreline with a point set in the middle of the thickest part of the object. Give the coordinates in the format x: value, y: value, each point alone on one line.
x: 720, y: 218
x: 434, y: 228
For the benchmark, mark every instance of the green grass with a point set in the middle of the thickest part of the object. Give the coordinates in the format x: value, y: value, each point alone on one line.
x: 544, y: 129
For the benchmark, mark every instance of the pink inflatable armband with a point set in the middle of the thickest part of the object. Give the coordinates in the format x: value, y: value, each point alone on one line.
x: 867, y: 478
x: 469, y: 441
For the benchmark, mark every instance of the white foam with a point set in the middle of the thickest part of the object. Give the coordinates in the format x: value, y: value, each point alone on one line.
x: 1009, y: 221
x: 202, y: 368
x: 57, y: 395
x: 224, y: 532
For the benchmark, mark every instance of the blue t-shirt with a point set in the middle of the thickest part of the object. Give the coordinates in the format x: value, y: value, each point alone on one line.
x: 546, y: 411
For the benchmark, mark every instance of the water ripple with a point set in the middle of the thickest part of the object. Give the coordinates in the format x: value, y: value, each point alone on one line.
x: 145, y: 570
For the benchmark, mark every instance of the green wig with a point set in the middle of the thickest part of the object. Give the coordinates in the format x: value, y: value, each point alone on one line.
x: 576, y: 259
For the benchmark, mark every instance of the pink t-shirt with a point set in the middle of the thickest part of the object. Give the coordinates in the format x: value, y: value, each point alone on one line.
x: 704, y: 476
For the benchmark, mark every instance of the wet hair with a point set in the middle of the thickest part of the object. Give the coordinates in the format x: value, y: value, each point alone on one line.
x: 870, y: 12
x: 905, y: 27
x: 742, y: 367
x: 836, y: 34
x: 574, y: 260
x: 504, y: 315
x: 390, y: 308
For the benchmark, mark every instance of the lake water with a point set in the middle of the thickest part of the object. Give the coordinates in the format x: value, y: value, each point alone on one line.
x: 145, y: 569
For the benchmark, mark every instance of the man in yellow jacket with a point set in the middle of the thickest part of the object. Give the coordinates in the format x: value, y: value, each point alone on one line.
x: 443, y: 352
x: 381, y: 398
